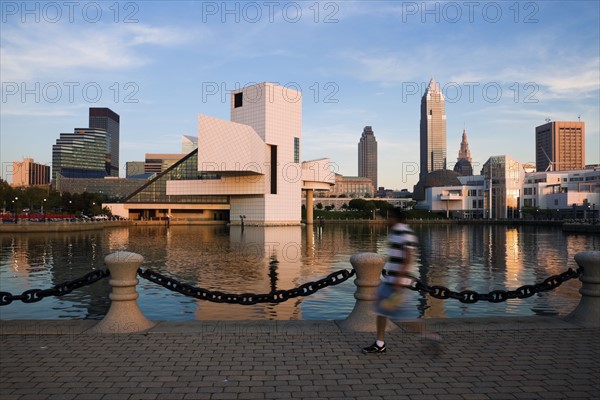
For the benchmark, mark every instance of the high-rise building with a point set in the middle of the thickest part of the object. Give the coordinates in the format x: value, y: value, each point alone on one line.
x: 367, y: 156
x: 433, y: 130
x: 463, y: 162
x: 105, y: 118
x: 27, y: 173
x: 464, y: 151
x: 81, y: 154
x: 560, y: 146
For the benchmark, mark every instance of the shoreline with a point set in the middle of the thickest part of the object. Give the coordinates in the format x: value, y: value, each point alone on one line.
x: 79, y: 226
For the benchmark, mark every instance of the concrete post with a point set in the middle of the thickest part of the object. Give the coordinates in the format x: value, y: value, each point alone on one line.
x: 124, y: 316
x: 368, y: 268
x: 309, y: 206
x: 587, y: 312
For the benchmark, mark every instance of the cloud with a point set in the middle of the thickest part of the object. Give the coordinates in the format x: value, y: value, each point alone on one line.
x: 53, y: 51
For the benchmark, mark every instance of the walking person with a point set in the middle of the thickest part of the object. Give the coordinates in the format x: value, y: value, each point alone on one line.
x: 395, y: 278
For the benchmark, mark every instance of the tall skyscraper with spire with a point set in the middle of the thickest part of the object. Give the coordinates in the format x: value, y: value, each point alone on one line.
x: 463, y: 162
x: 367, y: 156
x: 464, y: 151
x: 433, y: 130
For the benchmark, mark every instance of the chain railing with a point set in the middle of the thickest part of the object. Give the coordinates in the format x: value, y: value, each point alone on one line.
x: 34, y: 295
x: 495, y: 296
x: 276, y: 296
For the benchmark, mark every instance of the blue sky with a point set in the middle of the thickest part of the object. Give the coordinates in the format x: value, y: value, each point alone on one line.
x: 504, y: 68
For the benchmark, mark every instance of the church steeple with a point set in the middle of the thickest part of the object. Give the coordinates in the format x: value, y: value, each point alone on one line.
x: 464, y: 151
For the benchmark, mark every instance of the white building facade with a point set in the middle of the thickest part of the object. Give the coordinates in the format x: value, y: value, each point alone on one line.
x: 505, y: 191
x: 250, y: 165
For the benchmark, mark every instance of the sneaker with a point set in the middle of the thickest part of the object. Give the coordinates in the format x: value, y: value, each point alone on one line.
x: 374, y: 349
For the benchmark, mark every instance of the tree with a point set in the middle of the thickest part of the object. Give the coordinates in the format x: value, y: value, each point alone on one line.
x: 357, y: 204
x: 319, y: 206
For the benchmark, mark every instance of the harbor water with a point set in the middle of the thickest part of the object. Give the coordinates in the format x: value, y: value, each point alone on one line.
x: 263, y: 259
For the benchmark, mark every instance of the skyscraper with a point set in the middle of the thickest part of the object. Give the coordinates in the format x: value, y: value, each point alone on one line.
x: 367, y: 156
x: 105, y: 118
x: 463, y: 161
x: 433, y: 130
x: 81, y: 154
x: 464, y: 151
x: 560, y: 146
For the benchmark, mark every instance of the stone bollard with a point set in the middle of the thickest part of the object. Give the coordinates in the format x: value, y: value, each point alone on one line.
x: 124, y: 315
x: 368, y: 268
x: 587, y: 312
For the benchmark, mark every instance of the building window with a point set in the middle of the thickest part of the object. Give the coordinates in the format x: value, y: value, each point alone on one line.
x: 238, y: 100
x: 296, y: 150
x: 273, y: 169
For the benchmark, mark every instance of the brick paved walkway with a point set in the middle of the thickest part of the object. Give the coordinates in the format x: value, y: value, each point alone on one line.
x: 501, y: 358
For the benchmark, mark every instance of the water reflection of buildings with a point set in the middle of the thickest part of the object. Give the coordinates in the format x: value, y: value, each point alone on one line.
x: 40, y: 261
x: 462, y: 257
x: 234, y: 260
x: 221, y: 258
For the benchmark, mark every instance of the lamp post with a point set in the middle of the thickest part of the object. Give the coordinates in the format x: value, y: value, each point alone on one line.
x: 43, y: 215
x: 15, y: 209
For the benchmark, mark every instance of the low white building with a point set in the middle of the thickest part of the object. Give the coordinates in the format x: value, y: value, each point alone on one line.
x: 246, y: 170
x: 574, y: 194
x: 505, y: 191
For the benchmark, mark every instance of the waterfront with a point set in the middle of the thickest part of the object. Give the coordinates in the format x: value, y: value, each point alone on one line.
x: 230, y: 260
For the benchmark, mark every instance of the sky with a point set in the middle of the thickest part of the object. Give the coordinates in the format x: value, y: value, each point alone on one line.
x: 504, y: 68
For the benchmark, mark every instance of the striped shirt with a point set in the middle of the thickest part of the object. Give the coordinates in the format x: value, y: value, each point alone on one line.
x: 401, y: 240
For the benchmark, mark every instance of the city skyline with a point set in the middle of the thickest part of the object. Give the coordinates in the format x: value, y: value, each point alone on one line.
x: 502, y: 68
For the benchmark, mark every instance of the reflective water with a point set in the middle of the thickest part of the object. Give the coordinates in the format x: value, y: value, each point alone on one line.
x: 480, y: 258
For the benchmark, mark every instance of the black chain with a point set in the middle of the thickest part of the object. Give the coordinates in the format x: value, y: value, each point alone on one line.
x: 495, y: 296
x: 34, y: 295
x: 276, y: 296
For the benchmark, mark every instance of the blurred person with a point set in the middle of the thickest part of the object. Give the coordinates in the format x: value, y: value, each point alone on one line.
x: 396, y: 278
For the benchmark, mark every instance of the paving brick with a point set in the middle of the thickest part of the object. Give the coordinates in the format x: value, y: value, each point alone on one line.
x: 251, y: 361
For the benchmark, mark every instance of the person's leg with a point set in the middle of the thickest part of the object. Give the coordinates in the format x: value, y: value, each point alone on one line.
x: 379, y: 345
x: 381, y: 323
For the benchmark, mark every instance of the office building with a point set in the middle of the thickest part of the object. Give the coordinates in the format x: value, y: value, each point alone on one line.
x: 352, y: 186
x: 157, y: 163
x: 81, y: 154
x: 433, y: 130
x: 108, y: 120
x: 28, y: 173
x: 367, y: 156
x: 504, y: 178
x: 560, y: 146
